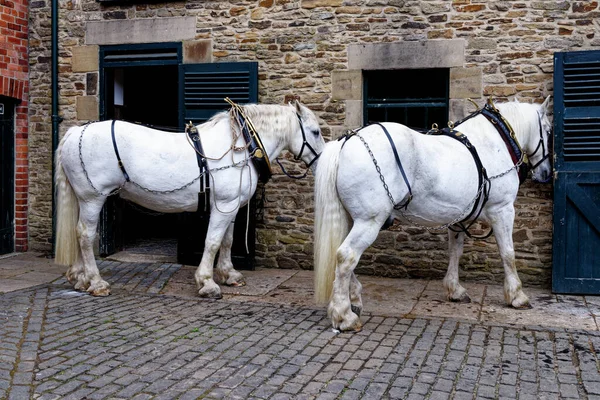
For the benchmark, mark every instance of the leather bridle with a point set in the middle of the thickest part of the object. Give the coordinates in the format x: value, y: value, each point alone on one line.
x: 299, y: 156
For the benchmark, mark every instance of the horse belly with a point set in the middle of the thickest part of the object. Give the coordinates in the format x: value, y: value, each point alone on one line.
x: 179, y: 201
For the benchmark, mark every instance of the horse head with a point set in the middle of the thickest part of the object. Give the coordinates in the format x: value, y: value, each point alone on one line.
x: 539, y: 144
x: 307, y: 143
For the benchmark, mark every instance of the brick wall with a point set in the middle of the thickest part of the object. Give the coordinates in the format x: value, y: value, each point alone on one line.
x: 300, y: 46
x: 14, y: 83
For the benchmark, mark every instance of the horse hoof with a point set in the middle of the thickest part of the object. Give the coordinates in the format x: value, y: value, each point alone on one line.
x: 100, y: 292
x: 99, y: 289
x: 526, y: 306
x: 356, y: 309
x: 464, y: 299
x: 210, y: 293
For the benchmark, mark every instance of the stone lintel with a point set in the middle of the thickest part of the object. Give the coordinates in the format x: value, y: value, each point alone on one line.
x: 407, y: 55
x: 140, y: 31
x: 197, y: 51
x: 87, y: 108
x: 84, y: 59
x: 466, y: 83
x: 346, y: 85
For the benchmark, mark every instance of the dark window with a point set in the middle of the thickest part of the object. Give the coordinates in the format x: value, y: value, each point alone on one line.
x: 415, y: 97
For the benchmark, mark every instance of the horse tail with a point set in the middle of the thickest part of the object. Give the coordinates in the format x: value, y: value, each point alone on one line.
x: 67, y: 212
x: 331, y: 221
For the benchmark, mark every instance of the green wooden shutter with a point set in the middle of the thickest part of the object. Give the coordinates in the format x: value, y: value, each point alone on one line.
x: 205, y: 86
x: 576, y: 260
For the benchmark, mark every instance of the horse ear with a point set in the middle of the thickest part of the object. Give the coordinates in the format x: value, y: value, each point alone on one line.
x: 298, y: 107
x: 545, y: 104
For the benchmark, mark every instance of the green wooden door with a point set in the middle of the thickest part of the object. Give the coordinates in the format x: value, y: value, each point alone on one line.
x: 576, y: 254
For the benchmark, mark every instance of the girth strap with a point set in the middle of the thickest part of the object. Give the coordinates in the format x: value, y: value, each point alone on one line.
x: 483, y: 194
x: 119, y: 161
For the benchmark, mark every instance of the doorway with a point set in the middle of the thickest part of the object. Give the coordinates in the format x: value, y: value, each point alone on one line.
x: 147, y: 95
x: 7, y: 175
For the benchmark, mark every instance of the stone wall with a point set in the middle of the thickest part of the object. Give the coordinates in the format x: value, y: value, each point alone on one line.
x: 316, y: 49
x: 14, y: 83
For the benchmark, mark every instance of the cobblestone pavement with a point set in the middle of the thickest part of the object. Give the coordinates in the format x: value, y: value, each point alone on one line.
x: 56, y: 343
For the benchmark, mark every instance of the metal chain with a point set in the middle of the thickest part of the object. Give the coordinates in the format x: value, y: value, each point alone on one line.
x: 243, y: 162
x: 385, y: 186
x: 387, y: 190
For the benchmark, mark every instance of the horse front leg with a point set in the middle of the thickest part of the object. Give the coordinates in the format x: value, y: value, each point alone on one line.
x: 217, y: 227
x: 85, y: 271
x: 456, y: 292
x: 502, y: 222
x: 225, y: 273
x: 362, y: 235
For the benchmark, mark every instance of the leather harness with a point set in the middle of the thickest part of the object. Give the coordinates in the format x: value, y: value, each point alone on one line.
x: 507, y: 134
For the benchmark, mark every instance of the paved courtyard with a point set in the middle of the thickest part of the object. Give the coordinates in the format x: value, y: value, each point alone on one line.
x: 153, y: 339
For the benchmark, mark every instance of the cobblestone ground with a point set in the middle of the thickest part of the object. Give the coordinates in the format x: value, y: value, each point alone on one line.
x: 135, y: 344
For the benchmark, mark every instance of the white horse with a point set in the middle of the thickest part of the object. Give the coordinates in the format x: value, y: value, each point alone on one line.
x: 352, y: 204
x: 164, y: 177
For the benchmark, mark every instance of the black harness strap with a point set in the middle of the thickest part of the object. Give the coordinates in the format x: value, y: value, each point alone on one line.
x: 506, y: 133
x: 399, y: 163
x: 352, y: 133
x: 204, y: 194
x: 483, y: 195
x: 119, y: 161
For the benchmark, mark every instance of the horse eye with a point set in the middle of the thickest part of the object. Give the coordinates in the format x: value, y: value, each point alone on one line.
x: 315, y: 132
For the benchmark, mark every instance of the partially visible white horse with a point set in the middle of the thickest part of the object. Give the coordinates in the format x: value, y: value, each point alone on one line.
x: 352, y: 203
x: 164, y: 177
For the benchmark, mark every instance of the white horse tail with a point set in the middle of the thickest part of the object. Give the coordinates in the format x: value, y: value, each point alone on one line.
x: 67, y: 212
x: 331, y: 221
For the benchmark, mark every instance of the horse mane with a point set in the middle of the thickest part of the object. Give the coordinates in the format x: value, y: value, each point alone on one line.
x: 268, y: 119
x: 523, y: 117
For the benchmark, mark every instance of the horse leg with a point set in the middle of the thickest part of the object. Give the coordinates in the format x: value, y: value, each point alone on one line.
x: 88, y: 275
x: 225, y: 273
x: 455, y: 291
x: 218, y: 225
x: 356, y: 304
x: 362, y: 235
x: 502, y: 223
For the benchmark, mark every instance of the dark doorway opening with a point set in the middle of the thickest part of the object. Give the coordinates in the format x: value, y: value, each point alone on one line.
x: 146, y: 95
x: 7, y: 175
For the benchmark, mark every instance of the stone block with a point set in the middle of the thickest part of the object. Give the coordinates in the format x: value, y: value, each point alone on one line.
x: 354, y: 114
x: 407, y: 55
x: 346, y: 85
x: 140, y: 31
x: 87, y: 108
x: 84, y: 59
x: 465, y: 83
x: 197, y: 51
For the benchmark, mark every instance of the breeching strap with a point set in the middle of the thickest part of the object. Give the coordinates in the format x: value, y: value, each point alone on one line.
x: 114, y: 142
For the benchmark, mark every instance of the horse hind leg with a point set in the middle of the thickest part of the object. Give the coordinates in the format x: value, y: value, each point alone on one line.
x: 456, y: 293
x: 225, y: 273
x: 356, y: 304
x: 85, y: 269
x: 361, y: 236
x: 503, y: 230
